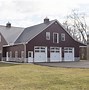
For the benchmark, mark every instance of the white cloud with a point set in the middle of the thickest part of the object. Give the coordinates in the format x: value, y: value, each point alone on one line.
x: 30, y: 12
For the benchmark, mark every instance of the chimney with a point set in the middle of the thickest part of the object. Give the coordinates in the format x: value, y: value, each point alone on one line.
x: 46, y: 20
x: 8, y: 24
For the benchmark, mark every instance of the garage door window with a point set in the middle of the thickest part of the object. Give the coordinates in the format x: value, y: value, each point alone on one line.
x: 39, y: 49
x: 68, y: 50
x: 54, y: 49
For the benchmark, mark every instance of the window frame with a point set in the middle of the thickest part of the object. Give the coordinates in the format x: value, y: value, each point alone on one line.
x: 56, y: 37
x: 62, y: 36
x: 47, y: 35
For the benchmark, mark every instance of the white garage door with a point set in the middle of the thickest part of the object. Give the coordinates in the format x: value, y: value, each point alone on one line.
x: 68, y: 54
x: 40, y: 54
x: 55, y: 54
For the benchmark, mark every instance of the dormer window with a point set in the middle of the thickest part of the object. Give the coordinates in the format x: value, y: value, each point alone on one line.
x: 63, y: 37
x: 55, y: 37
x: 47, y: 35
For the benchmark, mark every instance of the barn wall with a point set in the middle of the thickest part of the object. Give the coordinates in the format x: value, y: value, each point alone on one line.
x: 40, y: 40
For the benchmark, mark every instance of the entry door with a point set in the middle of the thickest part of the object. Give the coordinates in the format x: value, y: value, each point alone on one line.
x: 55, y: 54
x: 68, y: 54
x: 30, y: 56
x: 40, y: 54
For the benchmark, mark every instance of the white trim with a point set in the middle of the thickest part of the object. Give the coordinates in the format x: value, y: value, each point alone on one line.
x: 82, y: 46
x: 14, y: 44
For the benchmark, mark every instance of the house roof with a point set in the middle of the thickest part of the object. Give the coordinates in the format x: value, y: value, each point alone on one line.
x: 10, y: 33
x: 30, y: 32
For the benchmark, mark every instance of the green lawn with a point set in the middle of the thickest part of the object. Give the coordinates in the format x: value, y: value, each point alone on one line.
x: 35, y: 77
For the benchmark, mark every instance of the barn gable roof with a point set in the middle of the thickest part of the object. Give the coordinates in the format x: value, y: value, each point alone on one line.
x: 10, y: 34
x: 30, y: 32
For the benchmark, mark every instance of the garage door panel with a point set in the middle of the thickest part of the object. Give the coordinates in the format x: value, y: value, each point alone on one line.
x: 55, y: 57
x: 68, y: 54
x: 55, y: 54
x: 40, y: 54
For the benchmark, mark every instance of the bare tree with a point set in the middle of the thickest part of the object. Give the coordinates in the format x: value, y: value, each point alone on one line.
x: 76, y: 25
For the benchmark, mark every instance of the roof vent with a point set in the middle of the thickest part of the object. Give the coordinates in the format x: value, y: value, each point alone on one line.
x: 8, y: 25
x: 46, y: 20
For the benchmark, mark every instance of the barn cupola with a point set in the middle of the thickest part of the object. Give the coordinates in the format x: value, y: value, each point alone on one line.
x: 8, y: 24
x: 46, y: 20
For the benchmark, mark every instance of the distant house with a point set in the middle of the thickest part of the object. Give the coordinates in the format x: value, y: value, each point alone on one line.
x: 45, y: 42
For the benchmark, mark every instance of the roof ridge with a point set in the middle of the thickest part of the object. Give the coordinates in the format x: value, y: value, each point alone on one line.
x: 11, y: 26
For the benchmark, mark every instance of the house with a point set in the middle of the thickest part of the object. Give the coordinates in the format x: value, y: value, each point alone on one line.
x: 45, y: 42
x: 8, y: 35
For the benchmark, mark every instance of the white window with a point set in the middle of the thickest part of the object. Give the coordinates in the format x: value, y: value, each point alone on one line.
x: 10, y: 54
x: 0, y: 38
x: 47, y: 35
x: 22, y: 54
x: 62, y: 37
x: 16, y: 54
x: 55, y: 38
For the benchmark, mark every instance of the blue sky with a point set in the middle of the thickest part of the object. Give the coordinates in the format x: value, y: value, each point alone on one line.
x: 24, y: 13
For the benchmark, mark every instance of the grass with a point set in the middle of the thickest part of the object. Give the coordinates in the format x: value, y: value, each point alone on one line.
x: 34, y: 77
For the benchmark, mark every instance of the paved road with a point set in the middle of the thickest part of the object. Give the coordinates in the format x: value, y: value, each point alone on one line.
x: 78, y: 64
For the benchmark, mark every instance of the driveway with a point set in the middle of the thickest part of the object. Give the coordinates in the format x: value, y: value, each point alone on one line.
x: 78, y: 64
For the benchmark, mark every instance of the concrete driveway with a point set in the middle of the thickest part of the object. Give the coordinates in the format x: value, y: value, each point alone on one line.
x: 78, y: 64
